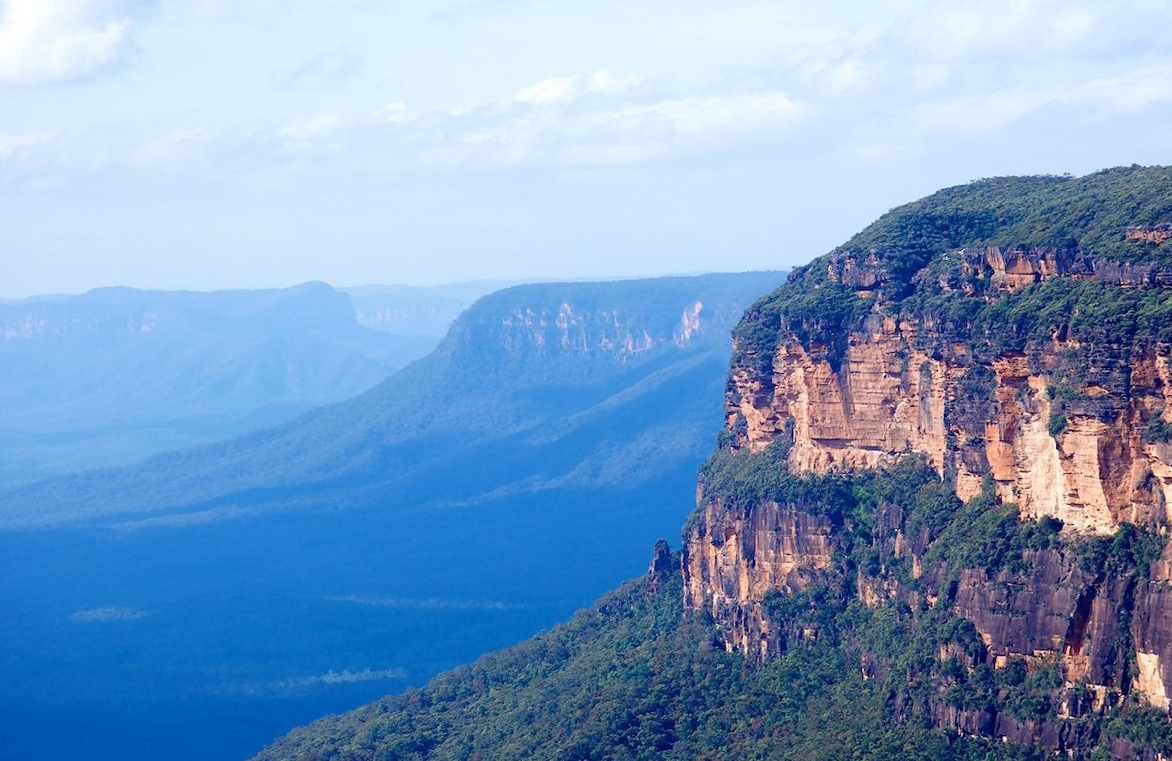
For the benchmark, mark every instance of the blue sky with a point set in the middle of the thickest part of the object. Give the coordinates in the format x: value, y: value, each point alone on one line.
x: 244, y: 143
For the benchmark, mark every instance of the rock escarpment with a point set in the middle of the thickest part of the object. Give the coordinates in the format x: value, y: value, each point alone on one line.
x: 527, y: 323
x: 1020, y: 351
x: 1059, y: 420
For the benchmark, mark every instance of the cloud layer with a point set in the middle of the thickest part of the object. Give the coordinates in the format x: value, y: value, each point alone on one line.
x: 45, y: 41
x: 953, y: 69
x: 373, y: 129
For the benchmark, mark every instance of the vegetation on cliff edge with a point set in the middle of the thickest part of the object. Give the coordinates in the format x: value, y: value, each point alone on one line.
x: 902, y: 638
x: 911, y: 254
x: 633, y: 678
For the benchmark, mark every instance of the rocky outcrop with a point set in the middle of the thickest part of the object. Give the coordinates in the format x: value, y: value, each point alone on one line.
x: 735, y: 558
x: 1152, y: 233
x: 1007, y: 268
x: 1077, y: 454
x: 1081, y: 456
x: 661, y: 567
x: 1103, y: 627
x: 1051, y: 609
x: 577, y: 321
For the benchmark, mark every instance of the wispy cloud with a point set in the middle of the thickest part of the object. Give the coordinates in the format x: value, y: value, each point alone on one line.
x: 701, y: 115
x: 55, y: 40
x: 550, y: 90
x: 109, y: 613
x: 302, y: 684
x: 396, y: 113
x: 180, y: 145
x: 10, y: 144
x: 562, y: 90
x: 430, y: 603
x: 961, y: 70
x: 310, y: 127
x: 951, y: 71
x: 328, y: 70
x: 218, y: 11
x: 601, y: 118
x: 474, y: 10
x: 316, y: 133
x: 184, y: 520
x: 344, y: 676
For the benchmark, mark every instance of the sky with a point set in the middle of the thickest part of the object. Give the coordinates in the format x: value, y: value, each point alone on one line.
x: 204, y: 144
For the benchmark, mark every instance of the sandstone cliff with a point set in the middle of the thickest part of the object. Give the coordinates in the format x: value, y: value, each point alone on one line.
x: 1021, y: 352
x: 1060, y: 421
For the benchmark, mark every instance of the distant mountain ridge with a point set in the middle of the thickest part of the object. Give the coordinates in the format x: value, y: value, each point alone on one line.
x: 411, y: 310
x: 507, y: 336
x: 473, y: 497
x: 113, y: 375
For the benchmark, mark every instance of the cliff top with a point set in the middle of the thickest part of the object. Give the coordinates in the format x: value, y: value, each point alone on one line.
x: 1092, y: 214
x: 956, y: 252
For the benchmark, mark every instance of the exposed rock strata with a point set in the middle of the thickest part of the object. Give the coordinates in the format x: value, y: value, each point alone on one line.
x: 1061, y: 429
x: 888, y: 397
x: 735, y: 558
x: 1152, y: 233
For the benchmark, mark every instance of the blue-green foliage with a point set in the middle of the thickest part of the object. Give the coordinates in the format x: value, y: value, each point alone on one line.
x: 914, y: 248
x: 1090, y: 213
x: 1159, y: 429
x: 634, y: 679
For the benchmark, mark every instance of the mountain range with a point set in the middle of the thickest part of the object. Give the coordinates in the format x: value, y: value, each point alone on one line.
x: 116, y: 374
x: 227, y: 592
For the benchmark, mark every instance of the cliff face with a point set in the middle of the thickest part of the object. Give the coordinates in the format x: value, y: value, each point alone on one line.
x: 1036, y: 375
x: 1091, y: 468
x: 575, y: 321
x: 735, y: 558
x: 1076, y: 451
x: 1100, y: 624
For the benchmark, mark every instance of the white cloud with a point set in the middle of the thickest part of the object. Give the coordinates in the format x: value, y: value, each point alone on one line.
x: 346, y: 676
x: 878, y: 154
x: 846, y: 75
x: 561, y: 90
x: 605, y: 82
x: 957, y: 69
x: 1132, y: 91
x: 956, y: 31
x: 613, y: 129
x: 551, y: 90
x: 693, y: 116
x: 10, y: 144
x: 108, y: 613
x: 994, y: 110
x: 219, y: 11
x: 976, y: 114
x: 951, y: 70
x: 53, y: 40
x: 395, y: 113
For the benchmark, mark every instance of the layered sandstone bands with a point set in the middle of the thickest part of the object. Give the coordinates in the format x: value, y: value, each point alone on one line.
x: 900, y: 386
x: 1009, y: 268
x: 888, y: 399
x: 735, y: 558
x: 1050, y: 610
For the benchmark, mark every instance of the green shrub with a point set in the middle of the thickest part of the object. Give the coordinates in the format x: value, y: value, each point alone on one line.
x: 1159, y: 429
